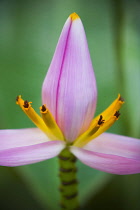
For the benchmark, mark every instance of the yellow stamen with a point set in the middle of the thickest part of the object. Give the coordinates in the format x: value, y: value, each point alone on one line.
x: 74, y: 16
x: 101, y: 123
x: 89, y: 134
x: 107, y: 113
x: 36, y: 119
x: 107, y: 124
x: 50, y: 122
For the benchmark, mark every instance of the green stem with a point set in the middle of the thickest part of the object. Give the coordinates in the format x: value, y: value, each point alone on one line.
x: 68, y: 186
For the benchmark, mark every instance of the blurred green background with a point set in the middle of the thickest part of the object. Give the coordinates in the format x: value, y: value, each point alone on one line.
x: 29, y: 31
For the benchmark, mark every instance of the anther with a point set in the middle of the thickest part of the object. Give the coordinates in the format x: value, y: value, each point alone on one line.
x: 17, y: 98
x: 100, y: 121
x: 43, y: 108
x: 121, y: 99
x: 117, y: 114
x: 26, y: 104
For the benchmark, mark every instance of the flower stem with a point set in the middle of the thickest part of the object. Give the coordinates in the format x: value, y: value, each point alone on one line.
x: 68, y: 186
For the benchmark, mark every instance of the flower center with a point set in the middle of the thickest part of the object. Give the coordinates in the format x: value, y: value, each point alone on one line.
x: 48, y: 125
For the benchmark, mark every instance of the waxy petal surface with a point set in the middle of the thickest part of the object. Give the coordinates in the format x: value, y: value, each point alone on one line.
x: 107, y: 154
x: 51, y: 82
x: 30, y: 154
x: 69, y: 89
x: 114, y: 144
x: 21, y: 137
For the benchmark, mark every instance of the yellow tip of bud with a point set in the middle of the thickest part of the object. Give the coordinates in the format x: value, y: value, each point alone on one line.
x: 74, y: 16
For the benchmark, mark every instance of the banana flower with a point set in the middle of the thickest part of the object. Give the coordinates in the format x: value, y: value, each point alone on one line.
x: 69, y: 96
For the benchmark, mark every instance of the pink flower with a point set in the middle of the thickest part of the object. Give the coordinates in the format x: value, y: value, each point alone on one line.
x: 69, y: 97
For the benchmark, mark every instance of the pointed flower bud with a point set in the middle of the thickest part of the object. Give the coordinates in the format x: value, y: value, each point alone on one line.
x: 69, y: 89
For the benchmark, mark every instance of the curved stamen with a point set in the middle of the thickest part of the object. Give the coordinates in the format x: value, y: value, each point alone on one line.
x: 34, y: 117
x: 89, y: 134
x: 50, y: 122
x: 101, y: 123
x: 107, y: 113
